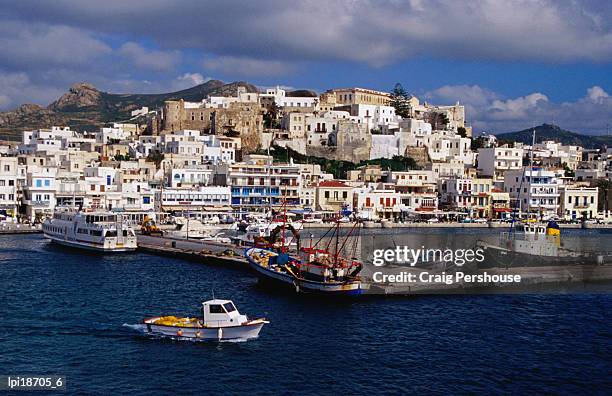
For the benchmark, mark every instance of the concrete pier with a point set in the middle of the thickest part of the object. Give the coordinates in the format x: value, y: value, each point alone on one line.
x: 206, y: 252
x: 16, y: 228
x: 533, y: 279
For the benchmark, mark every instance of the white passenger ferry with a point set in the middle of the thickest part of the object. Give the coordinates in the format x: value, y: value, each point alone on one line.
x: 98, y: 231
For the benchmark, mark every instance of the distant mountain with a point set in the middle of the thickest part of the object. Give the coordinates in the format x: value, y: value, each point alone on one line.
x: 85, y: 107
x: 553, y: 132
x: 304, y: 93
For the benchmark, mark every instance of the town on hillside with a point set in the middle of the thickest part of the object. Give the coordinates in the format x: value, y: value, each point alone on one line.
x: 385, y: 157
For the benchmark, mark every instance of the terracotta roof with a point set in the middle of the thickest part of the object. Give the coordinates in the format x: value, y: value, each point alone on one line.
x: 332, y: 183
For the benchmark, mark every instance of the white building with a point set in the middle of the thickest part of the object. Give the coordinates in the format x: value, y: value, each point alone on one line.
x: 39, y: 192
x: 191, y: 176
x: 107, y: 135
x: 279, y: 96
x: 495, y: 161
x: 374, y: 116
x: 376, y: 203
x: 179, y: 199
x: 537, y: 191
x: 578, y: 202
x: 417, y: 188
x: 8, y: 186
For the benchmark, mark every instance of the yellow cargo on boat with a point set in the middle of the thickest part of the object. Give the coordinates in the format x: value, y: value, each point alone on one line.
x: 177, y: 322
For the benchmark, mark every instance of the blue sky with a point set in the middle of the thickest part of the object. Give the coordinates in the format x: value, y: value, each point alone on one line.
x: 513, y: 63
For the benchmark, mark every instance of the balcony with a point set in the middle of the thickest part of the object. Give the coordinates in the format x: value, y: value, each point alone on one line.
x: 38, y: 204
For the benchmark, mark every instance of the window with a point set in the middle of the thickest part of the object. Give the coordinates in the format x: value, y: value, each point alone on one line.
x: 47, y: 183
x: 229, y: 307
x: 39, y: 183
x: 215, y: 309
x: 2, y: 183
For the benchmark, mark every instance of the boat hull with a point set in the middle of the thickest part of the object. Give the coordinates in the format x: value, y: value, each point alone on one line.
x: 242, y: 332
x: 90, y: 246
x: 289, y: 282
x: 496, y: 257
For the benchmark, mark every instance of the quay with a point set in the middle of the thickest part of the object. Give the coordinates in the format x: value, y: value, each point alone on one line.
x: 205, y: 252
x: 533, y: 279
x: 16, y: 228
x: 389, y: 224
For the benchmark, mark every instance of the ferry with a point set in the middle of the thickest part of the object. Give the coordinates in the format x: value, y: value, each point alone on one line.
x: 97, y: 231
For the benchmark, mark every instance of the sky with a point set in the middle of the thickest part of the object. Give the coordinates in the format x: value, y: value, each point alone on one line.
x: 512, y: 63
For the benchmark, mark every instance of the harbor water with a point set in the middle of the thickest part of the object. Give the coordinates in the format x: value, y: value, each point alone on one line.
x: 65, y: 312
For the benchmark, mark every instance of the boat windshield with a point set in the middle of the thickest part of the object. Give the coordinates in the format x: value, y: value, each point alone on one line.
x: 229, y: 307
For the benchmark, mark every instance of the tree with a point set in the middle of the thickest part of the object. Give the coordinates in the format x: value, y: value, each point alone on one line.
x: 437, y: 120
x: 477, y: 143
x: 399, y: 100
x: 604, y: 186
x: 155, y: 156
x: 119, y: 157
x: 271, y: 116
x: 462, y: 131
x: 568, y: 171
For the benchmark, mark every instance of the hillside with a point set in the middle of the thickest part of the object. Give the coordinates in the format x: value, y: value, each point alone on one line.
x: 553, y: 132
x: 85, y: 107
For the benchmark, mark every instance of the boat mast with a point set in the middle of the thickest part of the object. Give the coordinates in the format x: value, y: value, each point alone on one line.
x: 284, y: 220
x: 337, y: 239
x: 530, y: 174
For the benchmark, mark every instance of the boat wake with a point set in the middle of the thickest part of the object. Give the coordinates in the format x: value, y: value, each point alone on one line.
x: 141, y: 328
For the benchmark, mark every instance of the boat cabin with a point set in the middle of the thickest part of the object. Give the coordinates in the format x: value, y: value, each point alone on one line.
x: 221, y: 313
x: 531, y: 229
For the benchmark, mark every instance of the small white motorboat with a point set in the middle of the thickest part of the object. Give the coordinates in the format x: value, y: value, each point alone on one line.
x: 220, y: 321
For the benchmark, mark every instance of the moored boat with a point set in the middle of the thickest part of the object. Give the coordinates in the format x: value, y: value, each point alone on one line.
x: 99, y: 231
x: 532, y: 245
x: 220, y: 321
x: 286, y: 271
x: 313, y: 269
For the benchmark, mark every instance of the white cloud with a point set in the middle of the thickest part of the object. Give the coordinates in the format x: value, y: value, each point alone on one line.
x: 518, y: 108
x: 188, y: 80
x: 597, y: 94
x: 243, y: 66
x: 489, y: 111
x: 149, y: 59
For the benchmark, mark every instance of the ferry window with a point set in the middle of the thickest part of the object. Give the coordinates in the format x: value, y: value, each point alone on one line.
x: 125, y: 233
x: 216, y: 309
x: 229, y: 307
x: 111, y: 233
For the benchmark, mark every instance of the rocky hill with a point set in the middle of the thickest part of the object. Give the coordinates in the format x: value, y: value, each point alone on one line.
x: 553, y: 132
x: 86, y: 107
